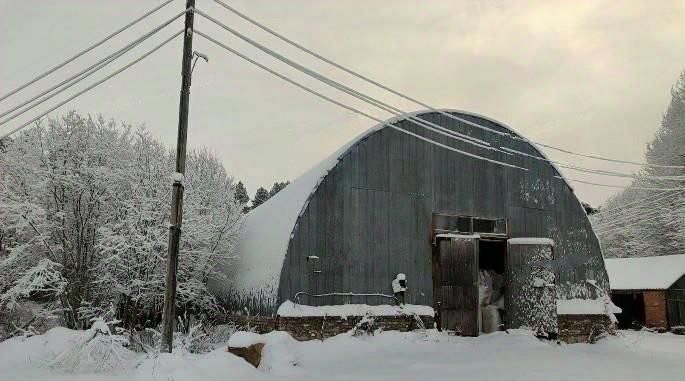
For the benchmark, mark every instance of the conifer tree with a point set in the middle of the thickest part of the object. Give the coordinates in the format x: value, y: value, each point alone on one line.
x: 646, y: 222
x: 260, y: 197
x: 277, y: 187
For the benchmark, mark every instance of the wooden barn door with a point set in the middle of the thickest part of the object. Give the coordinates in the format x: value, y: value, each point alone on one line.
x: 457, y: 286
x: 530, y: 293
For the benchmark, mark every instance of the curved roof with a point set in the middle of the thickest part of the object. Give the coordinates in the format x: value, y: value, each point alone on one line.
x: 645, y: 273
x: 268, y: 228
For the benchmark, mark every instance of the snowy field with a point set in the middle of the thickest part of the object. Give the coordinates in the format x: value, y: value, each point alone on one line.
x: 424, y: 356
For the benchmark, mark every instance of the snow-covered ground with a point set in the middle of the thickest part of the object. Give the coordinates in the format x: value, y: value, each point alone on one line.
x: 424, y: 356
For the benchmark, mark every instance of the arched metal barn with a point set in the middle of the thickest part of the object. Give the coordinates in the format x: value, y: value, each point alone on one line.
x: 390, y: 203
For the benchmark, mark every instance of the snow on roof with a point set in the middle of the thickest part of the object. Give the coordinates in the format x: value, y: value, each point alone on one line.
x: 645, y: 273
x: 290, y: 309
x: 586, y: 307
x: 457, y: 236
x: 531, y: 241
x: 268, y: 228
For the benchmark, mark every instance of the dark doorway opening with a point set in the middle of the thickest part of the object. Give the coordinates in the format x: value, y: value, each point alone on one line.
x: 491, y: 281
x: 632, y: 305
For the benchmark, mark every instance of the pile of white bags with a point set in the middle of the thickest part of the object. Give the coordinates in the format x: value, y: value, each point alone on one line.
x: 491, y: 295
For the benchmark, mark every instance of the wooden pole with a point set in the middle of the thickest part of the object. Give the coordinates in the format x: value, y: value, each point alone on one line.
x: 176, y: 218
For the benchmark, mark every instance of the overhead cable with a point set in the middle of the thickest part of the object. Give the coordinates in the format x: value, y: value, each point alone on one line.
x: 398, y: 112
x: 339, y: 86
x: 352, y: 109
x: 618, y: 220
x: 88, y: 49
x: 409, y: 98
x: 623, y: 227
x: 643, y: 201
x: 78, y: 77
x: 622, y: 186
x: 94, y: 85
x: 657, y: 207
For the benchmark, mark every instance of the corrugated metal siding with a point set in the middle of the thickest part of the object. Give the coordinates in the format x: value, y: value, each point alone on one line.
x: 371, y: 216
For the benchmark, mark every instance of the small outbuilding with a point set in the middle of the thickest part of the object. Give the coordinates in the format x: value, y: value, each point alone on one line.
x: 649, y: 290
x: 472, y: 220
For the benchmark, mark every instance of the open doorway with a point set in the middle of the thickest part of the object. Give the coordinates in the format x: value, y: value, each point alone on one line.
x: 632, y: 305
x: 491, y: 283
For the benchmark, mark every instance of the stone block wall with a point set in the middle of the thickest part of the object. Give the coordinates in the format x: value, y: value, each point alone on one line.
x: 322, y: 327
x: 655, y: 309
x: 259, y: 324
x: 572, y: 328
x: 583, y: 328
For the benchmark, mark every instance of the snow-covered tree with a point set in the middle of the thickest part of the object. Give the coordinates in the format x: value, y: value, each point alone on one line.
x: 84, y: 210
x: 639, y: 221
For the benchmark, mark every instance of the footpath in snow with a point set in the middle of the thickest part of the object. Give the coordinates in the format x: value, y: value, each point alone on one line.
x: 428, y: 355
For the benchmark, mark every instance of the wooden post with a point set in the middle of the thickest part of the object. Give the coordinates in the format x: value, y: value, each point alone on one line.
x: 176, y: 218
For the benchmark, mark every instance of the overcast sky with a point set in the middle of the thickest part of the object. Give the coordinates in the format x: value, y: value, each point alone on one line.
x: 590, y: 76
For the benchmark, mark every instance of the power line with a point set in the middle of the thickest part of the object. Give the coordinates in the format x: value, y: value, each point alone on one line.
x: 649, y: 209
x: 622, y: 187
x: 644, y: 201
x: 88, y: 49
x: 593, y: 171
x: 621, y: 219
x: 596, y: 157
x: 638, y: 222
x: 78, y: 77
x: 603, y: 172
x: 624, y: 227
x: 339, y: 86
x: 352, y: 109
x: 398, y: 112
x: 375, y: 102
x: 411, y: 99
x: 349, y: 71
x: 148, y: 53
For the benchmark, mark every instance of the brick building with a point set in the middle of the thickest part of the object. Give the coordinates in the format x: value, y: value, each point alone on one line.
x: 649, y: 290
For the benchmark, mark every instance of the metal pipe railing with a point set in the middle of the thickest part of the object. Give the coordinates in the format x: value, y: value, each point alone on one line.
x: 297, y: 295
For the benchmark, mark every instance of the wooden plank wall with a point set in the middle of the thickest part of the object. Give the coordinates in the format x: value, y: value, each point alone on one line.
x: 459, y: 286
x: 675, y: 296
x: 371, y: 216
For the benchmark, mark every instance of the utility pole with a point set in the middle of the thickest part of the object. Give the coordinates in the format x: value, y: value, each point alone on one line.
x: 175, y: 220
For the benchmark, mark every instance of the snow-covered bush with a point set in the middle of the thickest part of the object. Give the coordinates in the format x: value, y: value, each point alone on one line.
x: 97, y: 351
x: 84, y: 211
x: 45, y: 279
x: 365, y: 327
